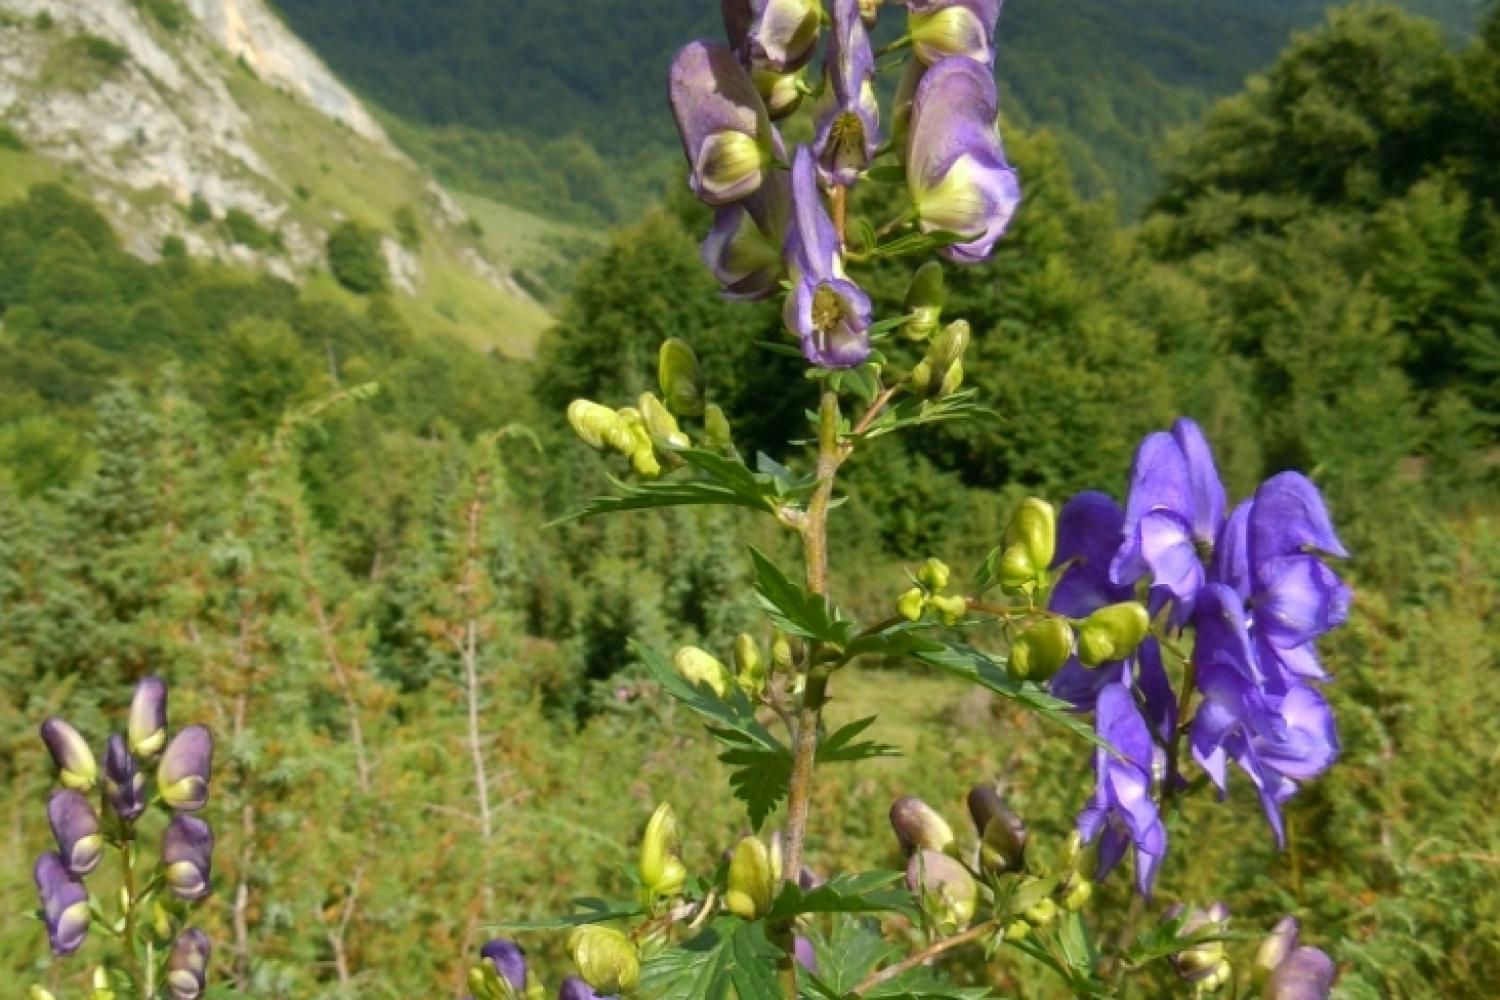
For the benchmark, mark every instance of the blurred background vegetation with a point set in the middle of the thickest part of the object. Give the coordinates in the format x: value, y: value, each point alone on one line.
x: 195, y: 482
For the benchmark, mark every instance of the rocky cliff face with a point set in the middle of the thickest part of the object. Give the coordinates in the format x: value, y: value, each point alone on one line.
x: 186, y: 117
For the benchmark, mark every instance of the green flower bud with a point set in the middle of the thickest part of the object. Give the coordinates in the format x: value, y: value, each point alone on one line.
x: 1041, y: 650
x: 1041, y: 913
x: 1002, y: 844
x: 752, y: 883
x: 911, y: 604
x: 933, y: 376
x: 680, y: 377
x: 716, y: 432
x: 1017, y: 930
x: 782, y: 92
x: 924, y: 301
x: 1217, y: 978
x: 660, y: 423
x: 628, y: 433
x: 1112, y: 633
x: 945, y: 888
x: 1078, y: 891
x: 486, y: 983
x: 595, y: 424
x: 37, y: 993
x: 643, y: 461
x: 919, y: 827
x: 661, y: 869
x: 1030, y: 543
x: 952, y: 381
x: 1201, y: 961
x: 103, y: 989
x: 606, y: 959
x: 784, y: 654
x: 934, y: 574
x: 701, y: 668
x: 952, y: 609
x: 749, y: 666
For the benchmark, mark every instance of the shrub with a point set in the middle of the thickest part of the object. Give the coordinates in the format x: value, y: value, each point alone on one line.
x: 354, y: 258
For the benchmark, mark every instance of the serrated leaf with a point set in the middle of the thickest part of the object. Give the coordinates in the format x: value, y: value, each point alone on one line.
x: 849, y: 892
x: 792, y: 608
x: 849, y: 953
x: 724, y: 716
x: 760, y: 779
x: 728, y: 954
x: 839, y: 746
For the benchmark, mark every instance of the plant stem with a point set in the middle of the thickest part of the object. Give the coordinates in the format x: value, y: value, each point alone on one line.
x: 127, y: 857
x: 975, y: 933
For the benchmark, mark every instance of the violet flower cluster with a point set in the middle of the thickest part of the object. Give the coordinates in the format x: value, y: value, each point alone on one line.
x: 779, y: 215
x: 83, y: 831
x: 1250, y: 587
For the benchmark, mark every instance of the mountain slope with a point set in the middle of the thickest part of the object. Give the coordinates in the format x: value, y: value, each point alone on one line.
x: 210, y: 123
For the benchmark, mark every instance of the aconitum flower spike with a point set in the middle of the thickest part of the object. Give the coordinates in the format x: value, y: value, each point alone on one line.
x: 75, y: 827
x: 76, y: 767
x: 187, y: 850
x: 187, y: 965
x: 1306, y: 974
x: 943, y: 28
x: 1122, y: 809
x: 148, y: 718
x: 956, y: 171
x: 186, y: 767
x: 65, y: 904
x: 743, y: 249
x: 124, y: 784
x: 508, y: 959
x: 725, y: 129
x: 849, y: 122
x: 574, y: 988
x: 829, y: 313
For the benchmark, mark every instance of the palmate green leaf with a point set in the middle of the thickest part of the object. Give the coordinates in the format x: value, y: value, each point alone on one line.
x: 792, y: 608
x: 988, y: 672
x: 847, y: 955
x: 590, y: 911
x: 730, y: 954
x: 761, y: 777
x: 840, y: 746
x: 848, y: 892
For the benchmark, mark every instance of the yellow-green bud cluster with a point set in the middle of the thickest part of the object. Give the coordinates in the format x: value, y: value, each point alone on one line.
x: 606, y: 959
x: 661, y: 869
x: 941, y: 371
x: 932, y: 580
x: 1112, y: 633
x: 1041, y: 650
x: 1028, y: 547
x: 623, y: 431
x: 924, y: 302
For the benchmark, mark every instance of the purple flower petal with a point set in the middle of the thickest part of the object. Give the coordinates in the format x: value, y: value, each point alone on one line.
x: 508, y: 959
x: 124, y: 784
x: 1204, y: 485
x: 849, y: 124
x: 75, y: 828
x: 65, y: 904
x: 186, y: 768
x: 723, y: 123
x: 1305, y: 974
x: 744, y: 247
x: 1290, y: 518
x: 954, y: 28
x: 187, y: 848
x: 829, y: 314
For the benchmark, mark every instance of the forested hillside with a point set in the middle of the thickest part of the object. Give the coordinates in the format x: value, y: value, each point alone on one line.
x: 544, y: 96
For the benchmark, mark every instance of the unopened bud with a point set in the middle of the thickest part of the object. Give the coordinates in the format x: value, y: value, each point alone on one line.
x: 1029, y: 544
x: 595, y: 424
x: 934, y: 574
x: 1041, y: 913
x: 76, y: 767
x: 1076, y: 893
x: 701, y: 668
x: 661, y: 423
x: 680, y: 378
x: 749, y: 666
x: 1041, y: 650
x: 784, y: 651
x: 911, y: 604
x: 952, y: 608
x: 716, y: 432
x: 1002, y: 845
x: 1305, y: 974
x: 486, y: 983
x: 945, y: 889
x: 782, y: 92
x: 1112, y: 633
x: 752, y: 884
x: 933, y: 376
x: 643, y: 461
x: 1017, y: 930
x: 924, y: 301
x: 38, y: 993
x: 919, y: 827
x: 1201, y: 960
x: 606, y: 959
x: 103, y: 988
x: 1277, y: 946
x: 661, y: 869
x: 1217, y: 977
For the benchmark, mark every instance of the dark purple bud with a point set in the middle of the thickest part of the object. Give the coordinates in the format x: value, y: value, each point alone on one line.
x: 508, y: 959
x: 124, y: 784
x: 75, y: 827
x: 187, y: 850
x: 65, y: 904
x: 148, y: 718
x: 187, y: 965
x: 1002, y: 834
x: 1307, y: 974
x: 76, y: 767
x: 918, y: 826
x: 186, y: 766
x: 574, y: 988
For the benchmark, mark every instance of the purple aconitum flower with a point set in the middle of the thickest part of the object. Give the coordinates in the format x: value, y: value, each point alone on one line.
x: 943, y: 28
x: 1305, y: 974
x: 187, y: 851
x: 1172, y: 517
x: 508, y: 959
x: 65, y: 904
x: 186, y: 767
x: 779, y: 35
x: 804, y: 953
x: 828, y: 313
x: 75, y: 827
x: 743, y: 249
x: 76, y: 767
x: 574, y: 988
x: 187, y: 965
x: 956, y: 171
x: 725, y: 129
x: 849, y: 122
x: 124, y: 784
x: 148, y: 718
x: 1122, y: 812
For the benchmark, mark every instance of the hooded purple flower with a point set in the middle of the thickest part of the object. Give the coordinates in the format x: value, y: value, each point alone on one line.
x: 1305, y: 974
x: 829, y: 313
x: 574, y: 988
x: 743, y: 249
x: 187, y: 965
x: 1122, y: 809
x: 186, y: 767
x: 148, y: 718
x: 75, y: 827
x: 956, y: 171
x: 1172, y: 517
x: 779, y: 35
x: 725, y: 129
x: 943, y: 28
x: 76, y: 767
x: 508, y: 959
x: 65, y: 904
x: 849, y: 123
x: 187, y: 851
x: 124, y: 784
